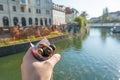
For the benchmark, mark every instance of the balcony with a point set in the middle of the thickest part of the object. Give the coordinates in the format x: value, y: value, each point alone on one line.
x: 23, y: 2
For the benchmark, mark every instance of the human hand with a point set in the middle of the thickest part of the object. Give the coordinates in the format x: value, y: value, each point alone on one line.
x: 33, y: 69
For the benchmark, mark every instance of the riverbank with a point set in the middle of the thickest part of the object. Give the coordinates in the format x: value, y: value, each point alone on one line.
x: 17, y: 48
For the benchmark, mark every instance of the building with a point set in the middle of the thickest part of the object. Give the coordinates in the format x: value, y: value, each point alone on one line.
x: 114, y: 15
x: 71, y: 13
x: 95, y: 20
x: 25, y: 12
x: 58, y: 14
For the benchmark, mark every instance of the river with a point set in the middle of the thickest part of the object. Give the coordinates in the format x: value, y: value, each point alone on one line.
x: 95, y: 56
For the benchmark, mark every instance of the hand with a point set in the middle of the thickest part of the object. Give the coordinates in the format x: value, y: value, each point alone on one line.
x: 33, y: 69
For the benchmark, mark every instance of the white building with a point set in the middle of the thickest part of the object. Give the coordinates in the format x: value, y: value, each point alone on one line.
x: 58, y: 14
x: 25, y: 12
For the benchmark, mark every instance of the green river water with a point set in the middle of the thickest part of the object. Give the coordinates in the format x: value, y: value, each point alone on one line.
x: 95, y: 56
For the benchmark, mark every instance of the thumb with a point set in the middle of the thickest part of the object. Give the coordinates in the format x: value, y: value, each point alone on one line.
x: 54, y: 59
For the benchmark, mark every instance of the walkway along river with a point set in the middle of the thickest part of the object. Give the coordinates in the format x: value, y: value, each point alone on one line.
x: 95, y: 56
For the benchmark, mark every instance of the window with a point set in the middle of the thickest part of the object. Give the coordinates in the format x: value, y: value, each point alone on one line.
x: 30, y: 21
x: 47, y: 12
x: 15, y: 20
x: 5, y: 21
x: 1, y: 7
x: 14, y: 8
x: 36, y: 21
x: 23, y: 1
x: 23, y: 20
x: 22, y: 9
x: 50, y: 21
x: 41, y: 22
x: 46, y: 21
x: 38, y: 2
x: 28, y: 1
x: 29, y: 10
x: 39, y: 11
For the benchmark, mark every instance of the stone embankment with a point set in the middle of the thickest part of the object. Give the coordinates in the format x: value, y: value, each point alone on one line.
x: 17, y: 48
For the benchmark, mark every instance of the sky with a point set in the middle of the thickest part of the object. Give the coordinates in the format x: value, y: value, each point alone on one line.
x: 94, y: 8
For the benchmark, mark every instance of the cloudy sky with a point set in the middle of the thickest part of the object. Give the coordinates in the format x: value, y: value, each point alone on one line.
x: 93, y: 7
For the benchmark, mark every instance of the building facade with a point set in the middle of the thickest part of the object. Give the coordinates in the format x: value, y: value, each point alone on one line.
x: 114, y: 15
x: 58, y: 14
x: 70, y: 14
x: 25, y: 12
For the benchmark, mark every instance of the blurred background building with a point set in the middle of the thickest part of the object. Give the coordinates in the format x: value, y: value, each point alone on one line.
x: 25, y: 12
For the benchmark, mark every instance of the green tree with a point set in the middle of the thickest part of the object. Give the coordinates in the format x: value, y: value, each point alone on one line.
x: 79, y: 21
x: 84, y: 14
x: 82, y: 20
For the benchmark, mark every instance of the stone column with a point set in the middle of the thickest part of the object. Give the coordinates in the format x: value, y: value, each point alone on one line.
x: 43, y: 19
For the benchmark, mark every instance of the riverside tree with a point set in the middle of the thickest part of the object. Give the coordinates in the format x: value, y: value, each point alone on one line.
x: 105, y: 16
x: 82, y: 20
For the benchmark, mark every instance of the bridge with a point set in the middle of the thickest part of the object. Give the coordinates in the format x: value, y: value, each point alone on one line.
x: 104, y: 25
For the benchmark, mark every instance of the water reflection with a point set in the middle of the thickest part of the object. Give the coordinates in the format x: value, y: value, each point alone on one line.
x: 104, y: 33
x: 94, y: 57
x: 75, y: 43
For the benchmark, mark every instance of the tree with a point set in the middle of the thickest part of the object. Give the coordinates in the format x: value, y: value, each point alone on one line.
x: 84, y: 14
x: 84, y: 18
x: 81, y: 20
x: 105, y: 16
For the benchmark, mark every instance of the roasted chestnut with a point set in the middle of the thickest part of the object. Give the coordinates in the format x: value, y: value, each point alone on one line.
x: 53, y: 47
x: 43, y: 50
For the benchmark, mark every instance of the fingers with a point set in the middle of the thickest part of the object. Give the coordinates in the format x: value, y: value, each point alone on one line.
x: 28, y: 55
x: 54, y: 59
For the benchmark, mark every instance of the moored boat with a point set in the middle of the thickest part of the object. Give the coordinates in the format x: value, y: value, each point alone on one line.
x: 115, y: 30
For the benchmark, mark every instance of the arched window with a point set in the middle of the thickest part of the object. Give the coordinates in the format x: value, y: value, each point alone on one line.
x: 41, y: 22
x: 15, y: 20
x: 5, y: 21
x: 23, y: 20
x: 45, y: 21
x: 30, y: 21
x: 36, y: 21
x: 50, y: 21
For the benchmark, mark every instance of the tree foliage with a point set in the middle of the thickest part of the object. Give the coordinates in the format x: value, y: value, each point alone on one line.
x: 82, y: 19
x: 105, y: 16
